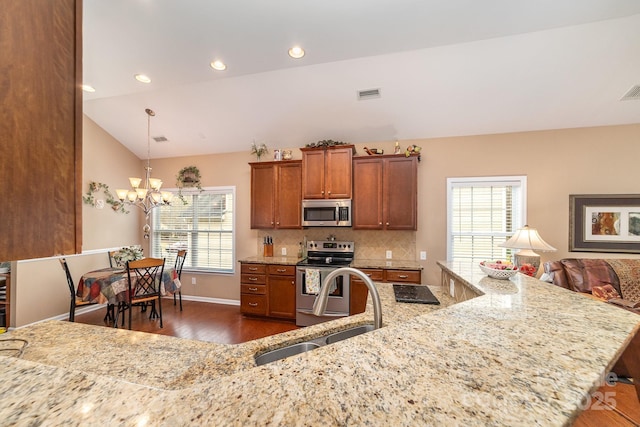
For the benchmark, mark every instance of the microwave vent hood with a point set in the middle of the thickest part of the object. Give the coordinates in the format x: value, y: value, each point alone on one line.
x: 326, y: 213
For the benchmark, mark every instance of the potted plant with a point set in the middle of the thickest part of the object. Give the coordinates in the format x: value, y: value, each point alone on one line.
x: 259, y: 150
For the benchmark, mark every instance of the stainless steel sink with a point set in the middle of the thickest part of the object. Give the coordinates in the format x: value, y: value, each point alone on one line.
x: 303, y: 347
x: 348, y: 333
x: 283, y: 352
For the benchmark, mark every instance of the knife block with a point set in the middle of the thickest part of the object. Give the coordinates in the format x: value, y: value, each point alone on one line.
x: 268, y: 250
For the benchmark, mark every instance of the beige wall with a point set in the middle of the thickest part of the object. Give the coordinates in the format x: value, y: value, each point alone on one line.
x: 556, y: 162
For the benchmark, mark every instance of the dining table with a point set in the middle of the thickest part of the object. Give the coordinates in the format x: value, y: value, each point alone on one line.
x: 110, y: 285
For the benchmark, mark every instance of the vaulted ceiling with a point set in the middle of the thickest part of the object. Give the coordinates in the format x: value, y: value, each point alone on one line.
x: 443, y: 68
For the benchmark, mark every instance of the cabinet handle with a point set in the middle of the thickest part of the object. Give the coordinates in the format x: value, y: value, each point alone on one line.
x: 253, y: 279
x: 281, y: 270
x: 369, y: 274
x: 387, y: 223
x: 253, y: 268
x: 278, y: 223
x: 328, y: 192
x: 253, y: 304
x: 403, y: 276
x: 380, y: 224
x: 322, y: 192
x: 253, y: 289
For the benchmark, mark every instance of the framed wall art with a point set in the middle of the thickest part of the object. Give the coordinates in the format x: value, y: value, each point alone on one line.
x: 604, y: 223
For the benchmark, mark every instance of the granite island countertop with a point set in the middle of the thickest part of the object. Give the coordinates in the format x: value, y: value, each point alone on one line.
x: 504, y: 358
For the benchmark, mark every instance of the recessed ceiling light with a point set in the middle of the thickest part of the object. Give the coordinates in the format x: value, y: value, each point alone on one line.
x: 88, y: 88
x: 296, y: 52
x: 218, y: 65
x: 142, y: 78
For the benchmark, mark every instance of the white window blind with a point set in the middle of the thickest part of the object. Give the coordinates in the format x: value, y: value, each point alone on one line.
x: 482, y: 213
x: 204, y: 226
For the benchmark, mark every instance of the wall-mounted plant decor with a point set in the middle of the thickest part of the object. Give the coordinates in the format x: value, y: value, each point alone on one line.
x: 90, y: 199
x: 188, y: 177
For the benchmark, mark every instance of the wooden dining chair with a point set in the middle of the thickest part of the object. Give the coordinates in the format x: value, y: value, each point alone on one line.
x: 144, y: 278
x: 77, y: 302
x: 112, y: 261
x: 182, y: 254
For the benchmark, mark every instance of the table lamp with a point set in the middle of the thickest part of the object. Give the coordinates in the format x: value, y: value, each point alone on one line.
x: 528, y: 240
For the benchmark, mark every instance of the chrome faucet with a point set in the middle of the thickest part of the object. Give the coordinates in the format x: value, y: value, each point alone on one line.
x: 320, y: 304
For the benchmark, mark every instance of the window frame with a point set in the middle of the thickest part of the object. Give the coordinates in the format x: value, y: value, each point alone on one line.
x: 479, y: 181
x: 194, y: 191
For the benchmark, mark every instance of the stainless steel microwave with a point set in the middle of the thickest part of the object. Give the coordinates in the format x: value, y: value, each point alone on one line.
x: 326, y: 213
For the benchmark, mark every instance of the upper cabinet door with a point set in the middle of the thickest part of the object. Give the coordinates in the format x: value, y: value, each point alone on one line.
x: 41, y: 129
x: 338, y: 173
x: 326, y: 173
x: 289, y: 195
x: 400, y: 193
x: 367, y: 193
x: 262, y: 195
x: 313, y: 174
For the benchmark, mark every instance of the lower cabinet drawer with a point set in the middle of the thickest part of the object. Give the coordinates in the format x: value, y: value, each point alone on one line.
x: 408, y: 276
x: 253, y: 304
x: 253, y: 289
x: 258, y: 279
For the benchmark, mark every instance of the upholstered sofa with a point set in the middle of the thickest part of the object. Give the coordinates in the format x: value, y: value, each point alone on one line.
x: 597, y: 277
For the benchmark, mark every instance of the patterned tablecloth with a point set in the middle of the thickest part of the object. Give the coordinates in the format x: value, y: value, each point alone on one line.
x: 109, y: 285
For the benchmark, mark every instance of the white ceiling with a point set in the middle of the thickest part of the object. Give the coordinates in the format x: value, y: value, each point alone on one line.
x: 444, y: 68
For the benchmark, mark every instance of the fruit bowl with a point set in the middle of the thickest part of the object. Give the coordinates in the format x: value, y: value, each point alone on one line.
x: 501, y: 271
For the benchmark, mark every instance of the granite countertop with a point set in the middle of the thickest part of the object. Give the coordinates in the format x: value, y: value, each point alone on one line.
x: 389, y: 264
x: 356, y: 263
x: 507, y: 357
x: 284, y: 260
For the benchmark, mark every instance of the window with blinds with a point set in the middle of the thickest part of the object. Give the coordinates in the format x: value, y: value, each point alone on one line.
x: 203, y: 225
x: 483, y: 213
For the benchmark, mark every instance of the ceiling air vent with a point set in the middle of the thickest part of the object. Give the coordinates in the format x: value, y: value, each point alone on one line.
x: 368, y: 94
x: 160, y: 139
x: 633, y: 93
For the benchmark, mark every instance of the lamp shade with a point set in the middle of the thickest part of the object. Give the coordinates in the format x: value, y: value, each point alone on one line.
x: 528, y: 238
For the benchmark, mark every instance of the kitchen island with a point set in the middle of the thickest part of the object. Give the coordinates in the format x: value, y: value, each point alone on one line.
x: 523, y: 353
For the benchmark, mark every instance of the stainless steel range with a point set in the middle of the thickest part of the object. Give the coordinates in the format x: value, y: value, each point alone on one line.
x: 322, y: 258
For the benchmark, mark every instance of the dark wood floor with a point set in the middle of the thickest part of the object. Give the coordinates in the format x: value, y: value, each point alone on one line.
x: 610, y: 406
x: 219, y: 323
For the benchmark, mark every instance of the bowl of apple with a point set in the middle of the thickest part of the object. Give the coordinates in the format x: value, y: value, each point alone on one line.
x: 498, y: 269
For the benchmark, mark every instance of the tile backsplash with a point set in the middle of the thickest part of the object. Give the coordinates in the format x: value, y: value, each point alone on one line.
x: 369, y: 244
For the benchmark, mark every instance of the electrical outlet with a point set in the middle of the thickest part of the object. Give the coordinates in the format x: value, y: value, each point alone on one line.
x: 193, y: 280
x: 389, y: 254
x: 423, y: 255
x: 284, y: 251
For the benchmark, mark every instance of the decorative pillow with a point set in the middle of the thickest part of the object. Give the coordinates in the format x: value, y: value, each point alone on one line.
x: 584, y: 274
x: 604, y: 292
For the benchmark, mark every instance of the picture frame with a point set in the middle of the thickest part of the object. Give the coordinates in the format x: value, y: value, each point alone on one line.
x: 604, y: 223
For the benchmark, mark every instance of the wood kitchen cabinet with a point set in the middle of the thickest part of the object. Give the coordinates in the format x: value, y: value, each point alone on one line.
x: 360, y: 292
x: 276, y: 198
x: 327, y: 173
x: 281, y: 289
x: 253, y: 289
x: 268, y: 290
x: 385, y: 193
x: 41, y: 128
